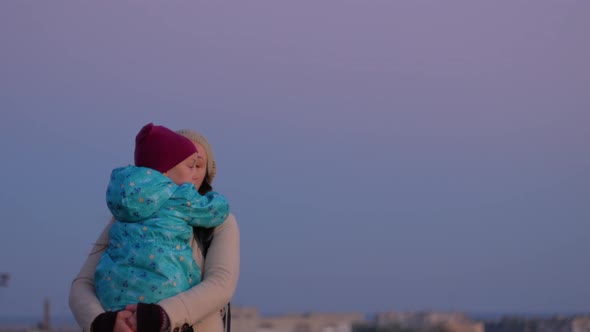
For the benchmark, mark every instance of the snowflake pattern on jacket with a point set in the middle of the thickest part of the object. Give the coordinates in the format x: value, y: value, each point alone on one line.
x: 149, y: 257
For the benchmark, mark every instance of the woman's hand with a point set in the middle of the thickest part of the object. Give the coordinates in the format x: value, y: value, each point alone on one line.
x: 131, y: 320
x: 126, y: 320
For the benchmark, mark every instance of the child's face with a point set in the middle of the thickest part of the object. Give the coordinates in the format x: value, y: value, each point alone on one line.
x: 185, y: 171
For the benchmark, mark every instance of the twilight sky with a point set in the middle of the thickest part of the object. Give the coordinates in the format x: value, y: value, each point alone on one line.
x: 378, y: 155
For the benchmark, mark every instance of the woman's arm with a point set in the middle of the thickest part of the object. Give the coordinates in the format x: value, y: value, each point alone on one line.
x: 220, y: 278
x: 83, y: 301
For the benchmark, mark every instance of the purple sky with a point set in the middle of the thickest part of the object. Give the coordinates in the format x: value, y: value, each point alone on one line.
x: 378, y: 155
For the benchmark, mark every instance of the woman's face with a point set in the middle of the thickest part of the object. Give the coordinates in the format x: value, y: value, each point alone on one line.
x: 201, y: 166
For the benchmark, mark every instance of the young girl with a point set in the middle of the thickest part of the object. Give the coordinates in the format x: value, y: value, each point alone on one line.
x: 155, y: 204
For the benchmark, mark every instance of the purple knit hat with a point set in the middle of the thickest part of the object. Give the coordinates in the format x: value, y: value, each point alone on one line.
x: 160, y: 148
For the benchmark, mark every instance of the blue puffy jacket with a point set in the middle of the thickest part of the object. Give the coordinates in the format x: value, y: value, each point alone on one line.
x: 149, y: 257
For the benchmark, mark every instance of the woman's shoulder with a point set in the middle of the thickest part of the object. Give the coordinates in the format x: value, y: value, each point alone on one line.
x: 231, y: 217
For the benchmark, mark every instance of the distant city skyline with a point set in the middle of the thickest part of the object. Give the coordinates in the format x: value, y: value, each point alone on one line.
x: 249, y: 319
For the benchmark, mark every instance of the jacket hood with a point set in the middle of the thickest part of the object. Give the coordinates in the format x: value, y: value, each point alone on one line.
x: 136, y: 193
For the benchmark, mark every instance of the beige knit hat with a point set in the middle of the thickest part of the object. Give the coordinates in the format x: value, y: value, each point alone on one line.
x: 195, y: 136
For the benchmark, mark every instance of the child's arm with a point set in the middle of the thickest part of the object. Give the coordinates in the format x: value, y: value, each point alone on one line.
x: 206, y: 211
x: 211, y: 212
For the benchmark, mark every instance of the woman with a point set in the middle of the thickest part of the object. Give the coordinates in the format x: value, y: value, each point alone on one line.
x: 199, y: 307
